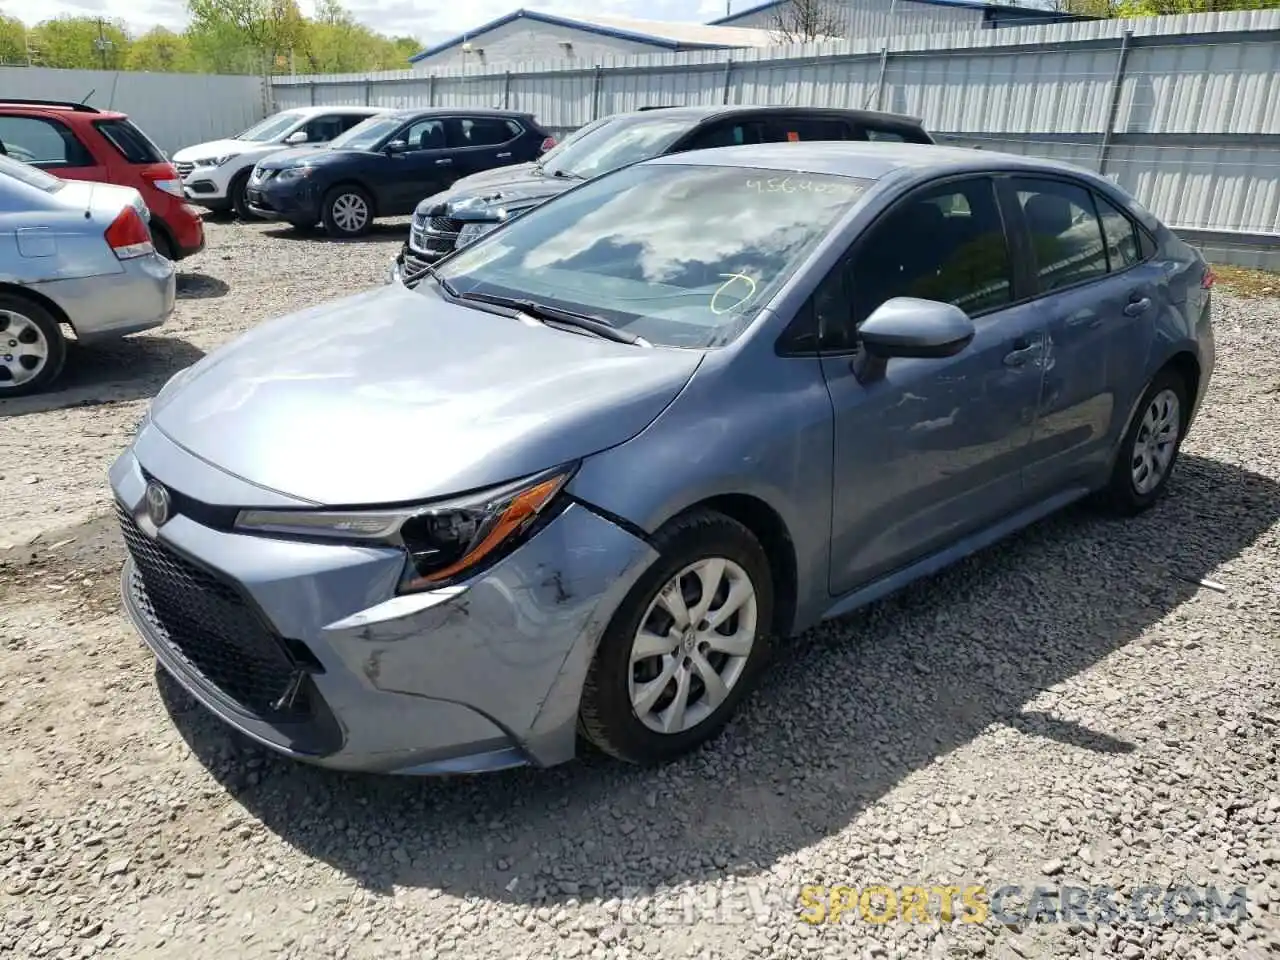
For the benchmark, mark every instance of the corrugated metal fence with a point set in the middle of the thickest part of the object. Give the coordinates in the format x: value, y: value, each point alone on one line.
x: 175, y: 109
x: 1183, y: 111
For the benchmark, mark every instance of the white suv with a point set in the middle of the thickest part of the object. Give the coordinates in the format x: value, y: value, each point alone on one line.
x: 214, y: 174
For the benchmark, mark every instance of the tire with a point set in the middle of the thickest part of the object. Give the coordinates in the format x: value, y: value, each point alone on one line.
x: 1140, y: 478
x: 238, y: 196
x: 609, y: 716
x: 28, y: 329
x: 340, y: 211
x: 164, y: 246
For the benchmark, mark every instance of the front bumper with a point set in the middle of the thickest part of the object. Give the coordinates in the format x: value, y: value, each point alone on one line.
x: 477, y: 677
x: 113, y: 305
x: 207, y: 185
x: 296, y: 200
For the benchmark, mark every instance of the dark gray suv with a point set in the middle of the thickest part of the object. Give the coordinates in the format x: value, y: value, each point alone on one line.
x: 470, y: 208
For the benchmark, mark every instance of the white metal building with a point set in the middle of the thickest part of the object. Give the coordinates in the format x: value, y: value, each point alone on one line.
x: 531, y: 35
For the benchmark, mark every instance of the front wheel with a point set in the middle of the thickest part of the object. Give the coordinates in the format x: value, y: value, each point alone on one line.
x: 684, y: 646
x: 1150, y: 446
x: 32, y: 348
x: 347, y: 211
x: 238, y: 195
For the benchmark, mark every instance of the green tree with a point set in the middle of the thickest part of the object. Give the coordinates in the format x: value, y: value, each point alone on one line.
x: 81, y: 43
x: 13, y: 40
x: 161, y: 51
x: 245, y: 36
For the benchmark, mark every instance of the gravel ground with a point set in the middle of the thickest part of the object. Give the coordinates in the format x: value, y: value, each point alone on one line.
x: 1073, y: 707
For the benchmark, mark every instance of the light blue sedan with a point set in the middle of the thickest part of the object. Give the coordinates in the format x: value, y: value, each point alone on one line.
x: 579, y: 480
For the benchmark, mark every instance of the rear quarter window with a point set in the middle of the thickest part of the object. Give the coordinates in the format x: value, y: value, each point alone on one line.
x: 130, y: 142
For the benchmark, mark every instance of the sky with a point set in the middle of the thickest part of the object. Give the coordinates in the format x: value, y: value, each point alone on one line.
x: 430, y: 22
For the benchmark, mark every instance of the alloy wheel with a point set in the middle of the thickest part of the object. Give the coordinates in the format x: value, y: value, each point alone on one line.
x: 350, y: 212
x: 693, y: 645
x: 1156, y: 441
x: 24, y: 349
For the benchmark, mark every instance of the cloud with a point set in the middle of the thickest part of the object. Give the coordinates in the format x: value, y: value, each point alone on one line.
x: 428, y: 22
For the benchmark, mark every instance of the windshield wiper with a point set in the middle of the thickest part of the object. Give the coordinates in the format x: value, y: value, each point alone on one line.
x: 411, y: 279
x: 566, y: 175
x: 583, y: 321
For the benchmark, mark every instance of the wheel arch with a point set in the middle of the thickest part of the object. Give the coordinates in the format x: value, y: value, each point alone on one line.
x: 354, y: 181
x: 768, y: 527
x: 41, y: 299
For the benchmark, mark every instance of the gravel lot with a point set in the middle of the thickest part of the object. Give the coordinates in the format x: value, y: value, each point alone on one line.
x: 1071, y: 707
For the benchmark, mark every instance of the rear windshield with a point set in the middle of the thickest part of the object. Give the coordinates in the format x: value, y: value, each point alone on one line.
x: 130, y: 141
x: 31, y: 176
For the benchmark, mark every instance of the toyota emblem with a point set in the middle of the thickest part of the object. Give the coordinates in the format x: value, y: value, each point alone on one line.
x: 157, y: 504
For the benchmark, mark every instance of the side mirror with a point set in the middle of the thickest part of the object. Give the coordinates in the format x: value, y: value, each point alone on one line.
x: 396, y: 147
x: 298, y: 136
x: 910, y: 327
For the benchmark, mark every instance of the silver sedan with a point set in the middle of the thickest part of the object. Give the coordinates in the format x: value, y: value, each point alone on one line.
x: 72, y: 254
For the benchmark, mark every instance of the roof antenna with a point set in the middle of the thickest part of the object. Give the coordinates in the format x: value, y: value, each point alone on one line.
x: 89, y: 94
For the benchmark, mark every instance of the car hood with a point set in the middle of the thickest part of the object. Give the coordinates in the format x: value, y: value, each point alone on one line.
x: 484, y: 201
x: 219, y: 148
x: 395, y: 395
x: 319, y: 155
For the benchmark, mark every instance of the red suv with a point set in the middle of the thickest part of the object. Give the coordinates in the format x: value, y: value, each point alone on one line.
x: 79, y: 142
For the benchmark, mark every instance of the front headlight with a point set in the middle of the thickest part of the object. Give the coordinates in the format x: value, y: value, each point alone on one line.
x: 471, y: 232
x: 216, y: 161
x: 443, y: 541
x: 293, y: 173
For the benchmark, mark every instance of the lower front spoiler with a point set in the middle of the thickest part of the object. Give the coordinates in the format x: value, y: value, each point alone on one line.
x: 318, y: 740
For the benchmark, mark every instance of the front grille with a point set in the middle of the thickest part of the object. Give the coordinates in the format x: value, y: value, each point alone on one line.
x: 211, y: 627
x: 445, y: 225
x: 184, y: 168
x: 261, y: 176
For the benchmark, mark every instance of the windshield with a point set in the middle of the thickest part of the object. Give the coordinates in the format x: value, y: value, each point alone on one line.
x: 366, y: 134
x: 681, y: 255
x: 273, y: 128
x: 31, y: 176
x: 615, y: 145
x: 572, y: 138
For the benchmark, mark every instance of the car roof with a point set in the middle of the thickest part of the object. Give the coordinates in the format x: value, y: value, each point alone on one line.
x: 867, y: 160
x: 704, y: 111
x: 406, y: 112
x: 312, y: 111
x: 59, y: 107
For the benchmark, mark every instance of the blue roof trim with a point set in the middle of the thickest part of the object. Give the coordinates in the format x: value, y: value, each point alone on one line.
x: 665, y: 42
x: 965, y: 4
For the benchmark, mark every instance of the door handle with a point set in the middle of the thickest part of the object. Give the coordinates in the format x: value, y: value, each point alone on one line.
x: 1023, y: 350
x: 1137, y: 305
x: 504, y: 156
x: 444, y: 162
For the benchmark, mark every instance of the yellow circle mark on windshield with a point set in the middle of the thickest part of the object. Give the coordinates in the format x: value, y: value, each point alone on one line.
x: 732, y: 279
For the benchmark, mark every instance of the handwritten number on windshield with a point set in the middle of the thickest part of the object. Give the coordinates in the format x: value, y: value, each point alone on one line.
x: 731, y: 279
x: 798, y: 185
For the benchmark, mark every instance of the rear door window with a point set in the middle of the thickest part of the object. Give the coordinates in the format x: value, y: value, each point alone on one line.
x: 481, y: 131
x: 41, y: 142
x: 1066, y: 236
x: 131, y: 142
x: 800, y: 129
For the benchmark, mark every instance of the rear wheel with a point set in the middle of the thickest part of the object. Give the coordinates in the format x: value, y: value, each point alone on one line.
x: 164, y: 246
x: 684, y: 646
x: 1150, y: 446
x: 32, y: 348
x: 347, y: 211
